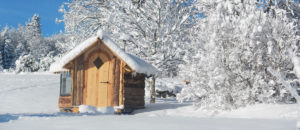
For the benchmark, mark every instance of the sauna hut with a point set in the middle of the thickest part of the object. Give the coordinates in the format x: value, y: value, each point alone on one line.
x: 99, y: 73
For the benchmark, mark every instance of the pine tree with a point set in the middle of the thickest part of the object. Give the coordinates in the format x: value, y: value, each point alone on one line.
x: 8, y: 54
x: 1, y: 51
x: 33, y: 27
x: 33, y: 36
x: 3, y: 38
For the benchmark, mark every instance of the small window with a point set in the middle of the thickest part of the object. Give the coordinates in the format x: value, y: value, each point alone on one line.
x: 65, y: 84
x: 98, y: 63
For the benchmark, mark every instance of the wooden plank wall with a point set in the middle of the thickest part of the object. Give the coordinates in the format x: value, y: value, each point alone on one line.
x: 116, y: 82
x: 78, y: 81
x: 126, y: 89
x: 65, y: 102
x: 134, y: 91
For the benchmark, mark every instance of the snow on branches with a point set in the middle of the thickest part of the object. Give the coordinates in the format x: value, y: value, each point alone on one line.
x: 156, y: 30
x: 238, y: 43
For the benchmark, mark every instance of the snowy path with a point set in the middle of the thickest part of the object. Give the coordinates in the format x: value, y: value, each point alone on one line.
x: 29, y: 101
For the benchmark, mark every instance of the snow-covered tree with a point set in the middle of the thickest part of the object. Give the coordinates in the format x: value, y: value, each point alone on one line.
x: 33, y: 28
x: 8, y: 55
x: 27, y: 42
x: 160, y: 31
x: 238, y: 42
x: 6, y: 48
x: 156, y: 30
x: 3, y: 35
x: 18, y: 36
x: 58, y: 43
x: 82, y: 18
x: 33, y: 36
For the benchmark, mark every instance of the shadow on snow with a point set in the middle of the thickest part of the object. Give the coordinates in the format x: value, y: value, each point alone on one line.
x: 161, y: 104
x: 8, y: 117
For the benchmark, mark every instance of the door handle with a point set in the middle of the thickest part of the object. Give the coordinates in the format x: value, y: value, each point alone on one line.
x: 105, y: 82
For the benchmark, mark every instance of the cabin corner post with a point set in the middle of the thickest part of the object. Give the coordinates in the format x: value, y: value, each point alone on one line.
x: 152, y: 90
x: 116, y: 81
x: 121, y: 89
x: 74, y: 82
x: 85, y: 82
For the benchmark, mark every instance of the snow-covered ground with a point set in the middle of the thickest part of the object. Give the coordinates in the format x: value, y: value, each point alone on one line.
x: 29, y: 101
x: 172, y: 85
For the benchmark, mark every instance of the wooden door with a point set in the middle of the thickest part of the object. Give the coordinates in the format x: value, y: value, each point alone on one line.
x: 98, y: 80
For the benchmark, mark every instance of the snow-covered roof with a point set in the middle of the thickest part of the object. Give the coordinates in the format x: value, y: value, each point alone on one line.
x: 137, y: 64
x: 57, y: 67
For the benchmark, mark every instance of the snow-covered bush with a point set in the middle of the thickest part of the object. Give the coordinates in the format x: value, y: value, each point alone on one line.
x: 27, y: 63
x: 237, y: 42
x: 45, y: 63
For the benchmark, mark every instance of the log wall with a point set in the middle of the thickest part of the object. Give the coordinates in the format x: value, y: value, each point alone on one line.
x: 134, y: 91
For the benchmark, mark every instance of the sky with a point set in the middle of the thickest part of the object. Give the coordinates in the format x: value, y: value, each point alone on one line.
x: 15, y: 12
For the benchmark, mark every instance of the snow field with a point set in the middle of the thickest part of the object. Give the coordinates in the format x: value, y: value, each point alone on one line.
x: 29, y: 102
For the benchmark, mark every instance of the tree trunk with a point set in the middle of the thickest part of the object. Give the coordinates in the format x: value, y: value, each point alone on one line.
x: 152, y: 90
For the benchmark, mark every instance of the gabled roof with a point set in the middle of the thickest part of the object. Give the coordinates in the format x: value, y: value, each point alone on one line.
x: 137, y: 64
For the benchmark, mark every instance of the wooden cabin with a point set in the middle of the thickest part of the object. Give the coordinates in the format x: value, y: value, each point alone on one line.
x: 99, y: 73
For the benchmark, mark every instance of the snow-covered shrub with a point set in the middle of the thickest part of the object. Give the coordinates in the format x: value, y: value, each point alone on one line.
x: 26, y: 63
x: 45, y: 62
x: 236, y: 43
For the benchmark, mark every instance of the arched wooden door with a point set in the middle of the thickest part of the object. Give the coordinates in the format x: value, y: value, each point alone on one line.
x: 98, y: 80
